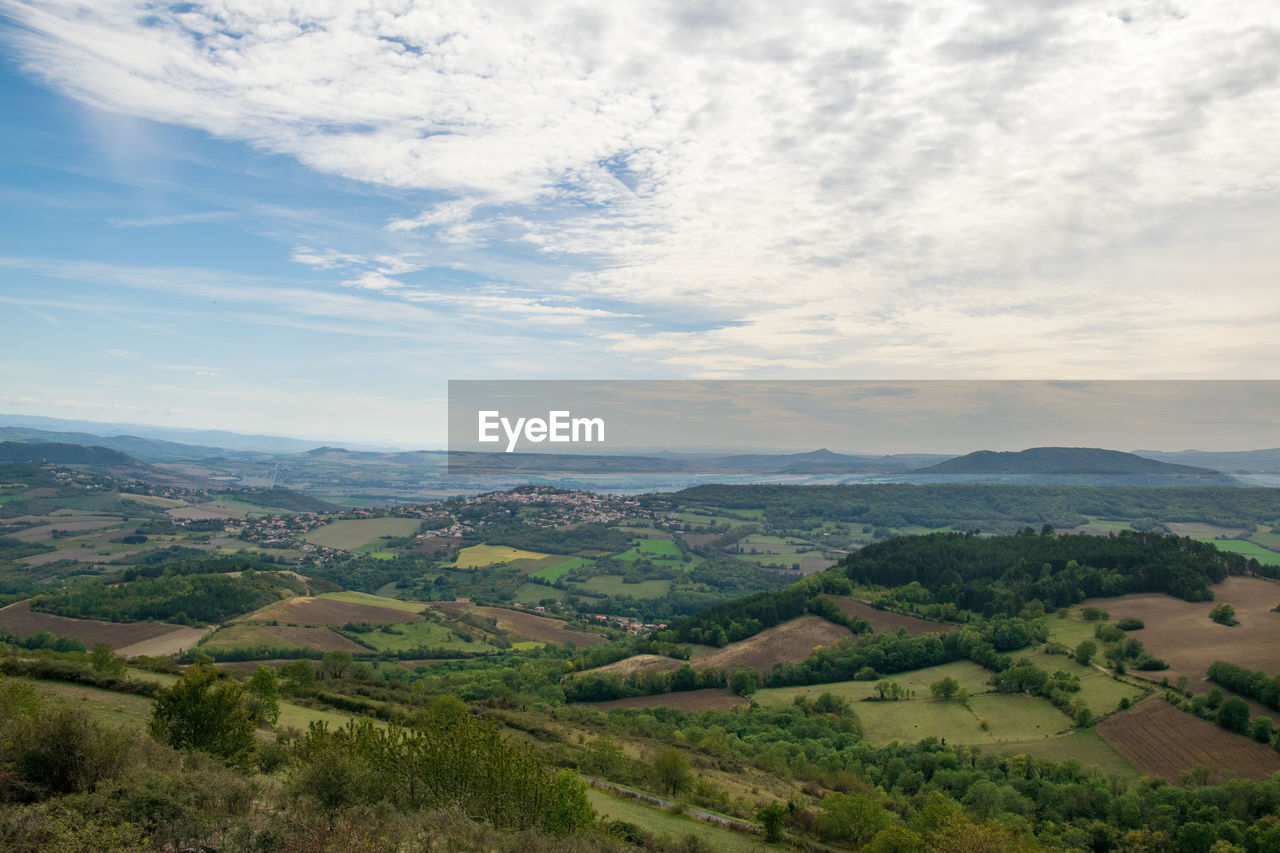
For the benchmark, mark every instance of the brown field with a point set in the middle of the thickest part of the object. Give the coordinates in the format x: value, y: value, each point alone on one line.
x: 710, y: 699
x: 327, y: 611
x: 1182, y: 633
x: 18, y: 619
x: 540, y: 629
x: 790, y: 642
x: 205, y: 511
x: 1162, y: 741
x: 636, y: 663
x: 78, y: 523
x: 888, y: 622
x: 249, y: 634
x: 812, y: 563
x: 700, y: 540
x: 322, y: 639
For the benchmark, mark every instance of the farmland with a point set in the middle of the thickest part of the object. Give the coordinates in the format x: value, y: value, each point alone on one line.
x: 616, y: 586
x: 1161, y: 741
x: 539, y: 629
x: 125, y: 637
x: 478, y: 556
x: 352, y: 534
x: 790, y: 642
x: 307, y: 610
x: 423, y: 634
x: 887, y: 620
x: 709, y: 699
x: 559, y: 569
x: 1182, y: 634
x: 1248, y: 549
x: 969, y: 675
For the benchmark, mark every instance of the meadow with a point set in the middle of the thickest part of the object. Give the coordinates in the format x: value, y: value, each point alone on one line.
x: 354, y: 533
x: 478, y: 556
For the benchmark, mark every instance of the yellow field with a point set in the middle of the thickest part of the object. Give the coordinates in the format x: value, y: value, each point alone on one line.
x: 352, y: 533
x: 488, y: 555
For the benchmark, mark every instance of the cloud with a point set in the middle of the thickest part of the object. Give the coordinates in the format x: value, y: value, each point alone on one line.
x: 944, y: 187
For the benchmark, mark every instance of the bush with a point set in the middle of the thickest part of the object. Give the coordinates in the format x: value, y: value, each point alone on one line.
x: 1224, y: 614
x: 1130, y: 623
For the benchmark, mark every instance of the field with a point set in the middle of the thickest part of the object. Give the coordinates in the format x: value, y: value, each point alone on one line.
x: 1182, y: 633
x: 540, y: 629
x: 970, y: 676
x: 1010, y: 718
x: 1083, y: 745
x: 614, y: 585
x: 886, y: 621
x: 657, y: 550
x: 415, y: 607
x: 248, y: 635
x: 327, y: 611
x: 488, y: 555
x: 1248, y: 549
x: 1162, y: 741
x: 559, y: 569
x: 671, y: 826
x: 791, y: 642
x: 710, y: 699
x: 351, y: 534
x: 424, y: 634
x: 636, y: 663
x: 125, y: 637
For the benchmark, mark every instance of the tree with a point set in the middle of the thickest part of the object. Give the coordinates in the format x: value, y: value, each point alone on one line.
x: 1085, y: 651
x: 263, y: 696
x: 335, y: 664
x: 945, y: 689
x: 1224, y: 614
x: 671, y: 771
x: 1233, y: 714
x: 744, y: 680
x: 198, y: 711
x: 772, y: 817
x: 300, y: 673
x: 106, y: 660
x: 1261, y: 729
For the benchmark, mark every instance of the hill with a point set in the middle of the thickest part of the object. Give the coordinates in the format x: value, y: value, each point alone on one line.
x: 1074, y: 461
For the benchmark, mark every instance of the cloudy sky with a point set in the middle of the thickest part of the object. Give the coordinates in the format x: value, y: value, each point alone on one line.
x: 305, y: 218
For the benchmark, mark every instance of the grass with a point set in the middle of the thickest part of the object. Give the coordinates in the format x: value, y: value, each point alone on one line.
x: 425, y: 634
x: 1083, y: 745
x: 1267, y: 538
x: 352, y: 533
x: 664, y: 823
x: 488, y: 555
x: 971, y: 677
x: 532, y: 593
x: 1071, y: 630
x: 246, y: 635
x: 376, y: 600
x: 1248, y: 549
x: 1101, y: 692
x: 613, y: 585
x: 554, y: 572
x: 911, y: 721
x: 103, y: 706
x: 1018, y: 717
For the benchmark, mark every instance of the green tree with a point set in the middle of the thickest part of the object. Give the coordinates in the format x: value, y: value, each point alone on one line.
x: 945, y: 689
x: 744, y: 680
x: 1224, y: 614
x: 1085, y: 651
x: 263, y: 696
x: 772, y: 817
x: 201, y: 712
x: 671, y: 771
x: 105, y: 660
x: 300, y: 673
x: 1233, y: 714
x: 1261, y: 729
x: 335, y: 664
x: 851, y: 818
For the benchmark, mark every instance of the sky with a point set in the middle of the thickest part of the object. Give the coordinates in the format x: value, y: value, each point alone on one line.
x: 304, y: 219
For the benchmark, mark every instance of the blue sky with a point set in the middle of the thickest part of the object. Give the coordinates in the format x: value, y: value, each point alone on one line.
x: 249, y: 216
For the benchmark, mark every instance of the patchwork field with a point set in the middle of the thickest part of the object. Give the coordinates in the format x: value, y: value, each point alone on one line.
x: 970, y: 676
x: 354, y: 533
x: 790, y: 642
x: 250, y: 635
x: 160, y: 637
x: 1162, y: 741
x: 710, y: 699
x: 887, y: 622
x: 1182, y: 633
x: 541, y: 629
x: 488, y: 555
x: 307, y: 610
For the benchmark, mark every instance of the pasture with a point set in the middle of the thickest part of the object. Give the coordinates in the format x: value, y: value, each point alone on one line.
x: 423, y: 634
x: 352, y: 597
x: 1248, y: 549
x: 637, y: 663
x: 1182, y: 633
x: 308, y: 610
x: 559, y: 569
x: 247, y: 635
x: 614, y: 585
x: 1162, y: 742
x: 673, y: 827
x: 489, y: 555
x: 1009, y: 718
x: 970, y: 676
x: 355, y: 533
x: 1083, y: 745
x: 886, y: 621
x: 693, y: 701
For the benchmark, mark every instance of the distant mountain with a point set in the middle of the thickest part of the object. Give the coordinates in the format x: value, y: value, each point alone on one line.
x: 146, y: 449
x: 100, y: 460
x: 1073, y: 462
x: 1232, y: 462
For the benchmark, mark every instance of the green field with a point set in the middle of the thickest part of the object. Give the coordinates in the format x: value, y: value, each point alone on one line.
x: 1071, y: 630
x: 656, y: 550
x: 1009, y: 717
x: 1101, y: 692
x: 243, y: 635
x: 1017, y: 717
x: 613, y: 585
x: 1083, y: 745
x: 424, y: 634
x: 673, y: 826
x: 971, y: 677
x: 488, y: 555
x: 353, y: 533
x: 1267, y: 538
x: 554, y: 572
x: 376, y: 600
x: 532, y: 593
x: 1248, y: 549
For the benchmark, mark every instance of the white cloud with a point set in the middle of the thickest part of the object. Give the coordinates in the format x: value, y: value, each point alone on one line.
x: 951, y: 187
